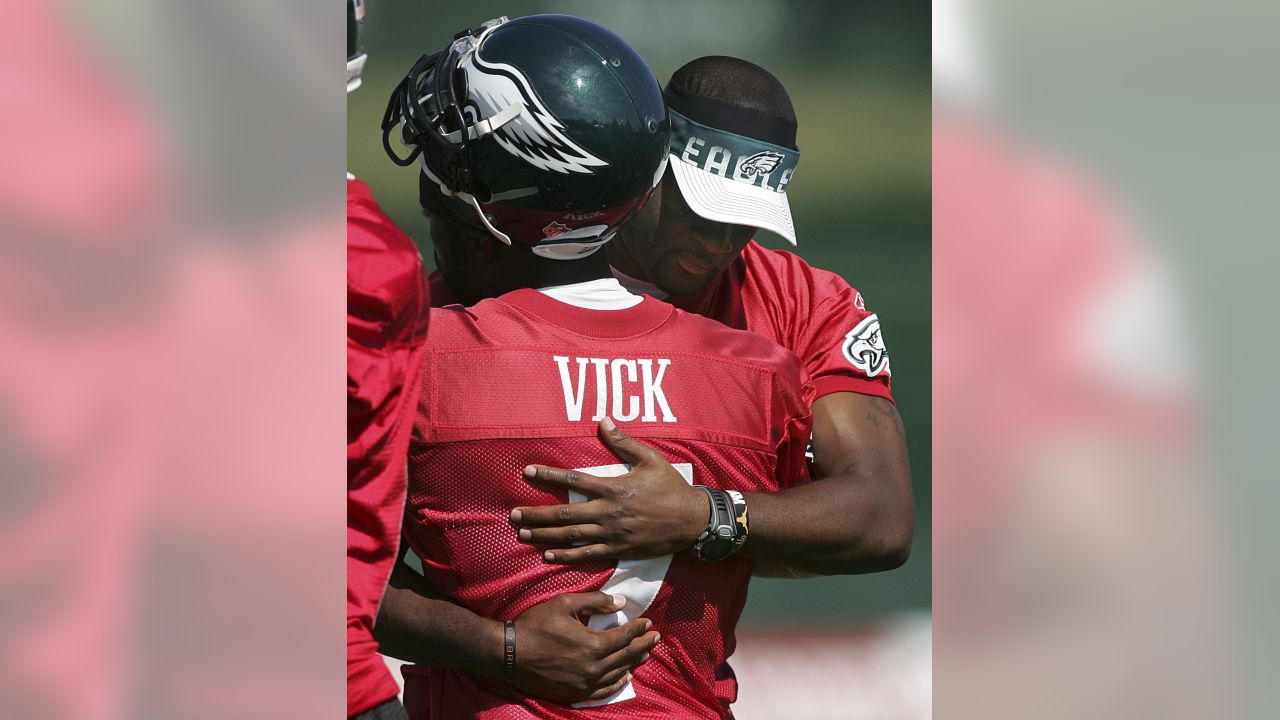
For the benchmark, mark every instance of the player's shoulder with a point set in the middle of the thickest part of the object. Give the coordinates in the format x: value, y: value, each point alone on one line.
x: 490, y: 322
x: 371, y: 230
x: 742, y: 347
x: 361, y: 205
x: 452, y: 321
x: 381, y: 259
x: 785, y: 274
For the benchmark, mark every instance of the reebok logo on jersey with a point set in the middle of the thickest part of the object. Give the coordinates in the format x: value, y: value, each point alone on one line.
x: 616, y: 380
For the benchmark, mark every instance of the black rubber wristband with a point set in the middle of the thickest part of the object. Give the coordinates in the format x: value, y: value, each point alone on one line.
x: 509, y: 650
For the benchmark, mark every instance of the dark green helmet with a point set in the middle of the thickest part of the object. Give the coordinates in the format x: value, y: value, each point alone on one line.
x: 355, y: 47
x: 549, y: 130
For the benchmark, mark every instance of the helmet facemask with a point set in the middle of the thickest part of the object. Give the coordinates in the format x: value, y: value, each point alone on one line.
x: 428, y: 105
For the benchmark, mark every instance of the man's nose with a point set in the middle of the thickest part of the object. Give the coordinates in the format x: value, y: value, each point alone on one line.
x: 716, y: 241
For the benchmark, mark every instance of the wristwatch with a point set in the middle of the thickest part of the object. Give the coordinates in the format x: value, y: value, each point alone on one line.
x: 726, y: 525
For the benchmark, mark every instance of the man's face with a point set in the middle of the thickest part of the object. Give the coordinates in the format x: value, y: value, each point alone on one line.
x: 677, y: 249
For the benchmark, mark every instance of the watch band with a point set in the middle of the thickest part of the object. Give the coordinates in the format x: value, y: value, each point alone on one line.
x: 724, y: 534
x: 738, y: 504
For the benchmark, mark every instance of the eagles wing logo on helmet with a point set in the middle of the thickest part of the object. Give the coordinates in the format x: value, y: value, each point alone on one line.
x: 535, y: 135
x: 864, y: 347
x: 762, y: 163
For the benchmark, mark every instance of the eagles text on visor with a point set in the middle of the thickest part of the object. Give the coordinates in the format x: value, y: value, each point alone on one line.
x: 548, y: 131
x: 732, y: 157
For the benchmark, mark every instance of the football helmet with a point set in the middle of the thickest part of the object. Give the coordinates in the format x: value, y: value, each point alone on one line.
x: 547, y: 130
x: 356, y: 55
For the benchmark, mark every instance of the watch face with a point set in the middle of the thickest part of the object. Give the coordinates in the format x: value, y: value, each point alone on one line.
x: 717, y: 549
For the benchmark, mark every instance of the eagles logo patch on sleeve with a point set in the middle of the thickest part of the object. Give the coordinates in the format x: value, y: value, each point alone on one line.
x: 864, y: 348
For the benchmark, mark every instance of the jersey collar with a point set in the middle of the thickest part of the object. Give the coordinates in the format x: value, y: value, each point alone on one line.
x: 642, y: 317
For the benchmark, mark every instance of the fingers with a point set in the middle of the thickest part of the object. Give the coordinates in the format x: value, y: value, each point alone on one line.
x: 620, y: 637
x: 634, y: 653
x: 559, y: 515
x: 592, y: 603
x: 627, y: 448
x: 563, y: 536
x: 611, y: 689
x: 568, y: 479
x: 619, y: 665
x: 611, y: 678
x: 573, y: 556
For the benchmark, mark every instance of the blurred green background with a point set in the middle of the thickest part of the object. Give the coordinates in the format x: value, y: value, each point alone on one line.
x: 859, y: 76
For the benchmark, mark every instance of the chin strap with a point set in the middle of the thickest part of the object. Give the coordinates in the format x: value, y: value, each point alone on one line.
x: 484, y: 218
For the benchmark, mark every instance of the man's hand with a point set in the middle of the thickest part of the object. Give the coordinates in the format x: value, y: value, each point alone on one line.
x: 648, y: 512
x: 560, y: 659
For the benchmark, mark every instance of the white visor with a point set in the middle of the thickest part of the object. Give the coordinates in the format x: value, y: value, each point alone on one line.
x: 720, y: 199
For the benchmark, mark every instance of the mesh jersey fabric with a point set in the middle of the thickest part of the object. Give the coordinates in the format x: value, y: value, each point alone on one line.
x: 386, y: 326
x: 494, y: 399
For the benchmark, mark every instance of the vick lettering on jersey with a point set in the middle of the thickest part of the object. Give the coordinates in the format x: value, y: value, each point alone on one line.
x: 528, y: 392
x: 625, y: 389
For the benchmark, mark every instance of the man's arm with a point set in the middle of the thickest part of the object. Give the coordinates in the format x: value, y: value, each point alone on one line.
x: 857, y: 516
x: 557, y: 657
x: 417, y: 623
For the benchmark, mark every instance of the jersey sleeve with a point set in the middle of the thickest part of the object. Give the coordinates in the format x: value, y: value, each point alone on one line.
x: 793, y: 420
x: 841, y: 345
x: 386, y: 326
x: 387, y: 301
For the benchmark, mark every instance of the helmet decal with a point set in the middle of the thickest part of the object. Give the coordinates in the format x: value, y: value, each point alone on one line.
x: 535, y: 135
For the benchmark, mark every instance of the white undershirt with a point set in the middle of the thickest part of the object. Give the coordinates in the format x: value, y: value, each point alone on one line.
x: 639, y: 287
x: 601, y: 294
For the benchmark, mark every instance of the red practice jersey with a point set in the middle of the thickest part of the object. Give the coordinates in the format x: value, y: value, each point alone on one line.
x: 813, y: 313
x: 523, y: 379
x: 386, y: 316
